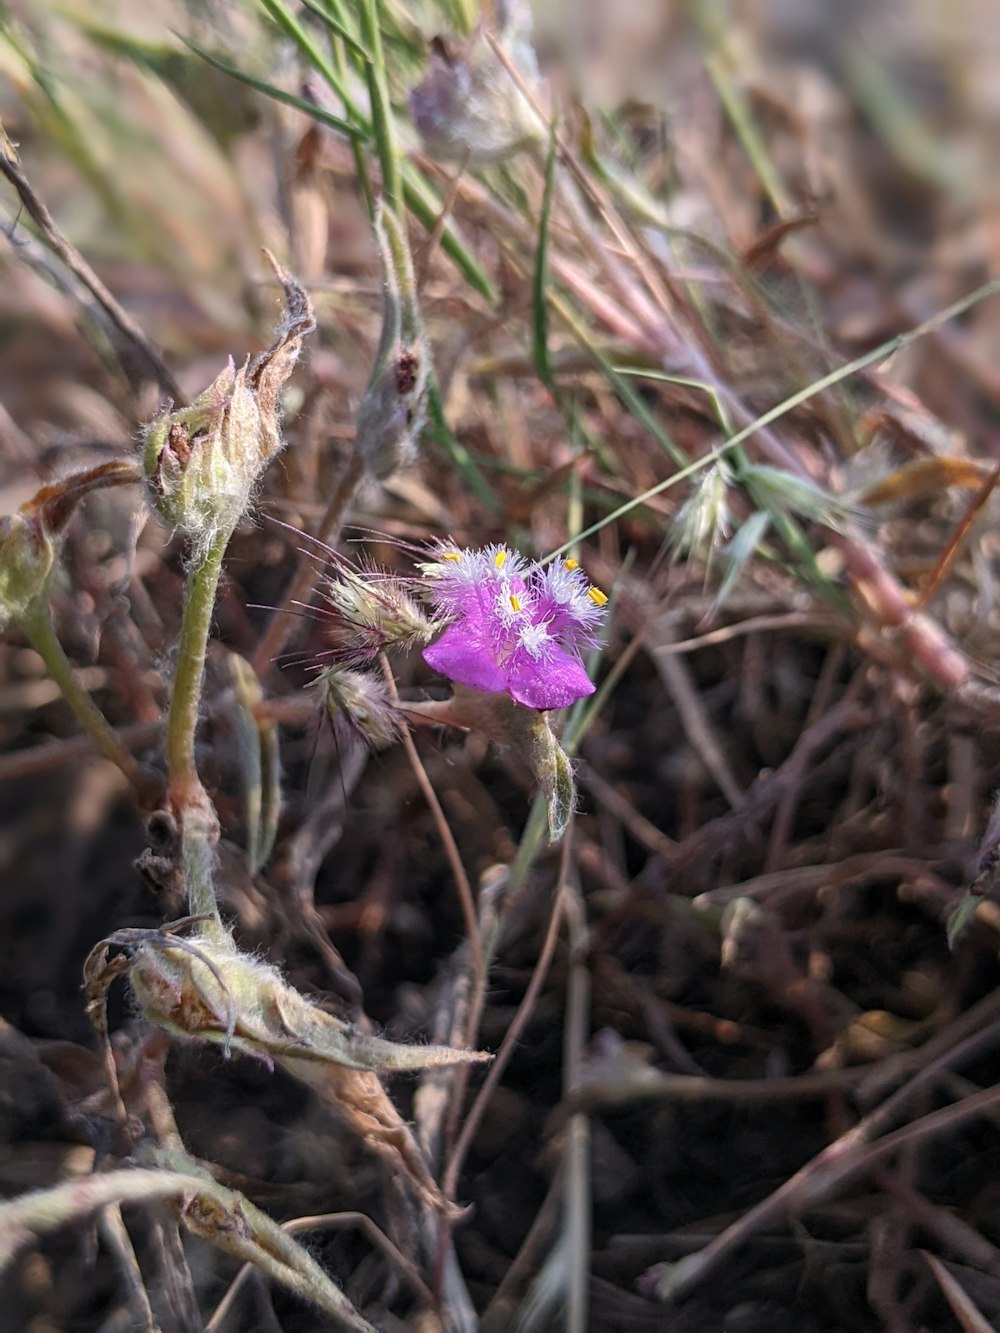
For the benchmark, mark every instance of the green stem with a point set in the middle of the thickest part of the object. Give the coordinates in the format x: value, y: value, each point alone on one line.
x: 37, y: 625
x: 185, y: 700
x: 383, y: 125
x: 188, y: 799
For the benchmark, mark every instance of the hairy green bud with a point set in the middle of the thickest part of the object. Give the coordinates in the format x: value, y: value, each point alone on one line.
x: 527, y: 733
x: 468, y: 108
x: 27, y: 554
x: 203, y: 987
x: 202, y: 462
x: 392, y: 410
x: 29, y: 539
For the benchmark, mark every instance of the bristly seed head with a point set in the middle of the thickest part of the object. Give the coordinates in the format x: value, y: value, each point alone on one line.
x: 368, y: 612
x: 359, y: 704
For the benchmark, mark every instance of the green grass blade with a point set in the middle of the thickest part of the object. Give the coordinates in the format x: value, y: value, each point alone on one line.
x: 787, y: 405
x: 438, y: 429
x: 354, y: 132
x: 425, y: 207
x: 292, y: 28
x: 383, y: 122
x: 337, y: 26
x: 621, y: 386
x: 417, y: 194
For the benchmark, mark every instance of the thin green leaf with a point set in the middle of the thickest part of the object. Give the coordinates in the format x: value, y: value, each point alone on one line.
x: 426, y: 208
x: 961, y: 919
x: 621, y: 386
x: 787, y: 405
x: 291, y: 26
x: 382, y: 117
x: 337, y: 26
x: 774, y: 486
x: 540, y: 310
x: 661, y: 377
x: 807, y: 567
x: 419, y: 198
x: 440, y: 432
x: 279, y: 94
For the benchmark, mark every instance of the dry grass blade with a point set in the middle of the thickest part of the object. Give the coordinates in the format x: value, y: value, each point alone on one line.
x: 962, y: 1306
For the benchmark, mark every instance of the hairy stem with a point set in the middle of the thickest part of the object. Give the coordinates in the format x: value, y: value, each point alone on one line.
x: 221, y: 1216
x: 188, y: 800
x: 383, y: 125
x: 185, y: 700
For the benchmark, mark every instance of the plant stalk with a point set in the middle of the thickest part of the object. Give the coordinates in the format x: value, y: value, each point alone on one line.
x: 185, y: 700
x: 37, y: 625
x: 188, y: 800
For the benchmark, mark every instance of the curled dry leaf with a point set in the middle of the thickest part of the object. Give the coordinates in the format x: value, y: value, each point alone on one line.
x: 203, y: 987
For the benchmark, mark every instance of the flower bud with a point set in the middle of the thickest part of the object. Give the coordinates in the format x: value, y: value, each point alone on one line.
x: 29, y: 538
x: 391, y: 414
x: 204, y: 988
x: 528, y: 734
x: 27, y: 554
x: 366, y: 613
x: 202, y: 462
x: 468, y: 108
x: 360, y: 705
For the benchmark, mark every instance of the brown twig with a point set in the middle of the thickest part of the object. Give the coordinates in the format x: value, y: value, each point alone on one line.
x: 694, y: 719
x: 44, y: 758
x: 857, y: 1151
x: 466, y: 898
x: 474, y: 1118
x: 578, y: 1200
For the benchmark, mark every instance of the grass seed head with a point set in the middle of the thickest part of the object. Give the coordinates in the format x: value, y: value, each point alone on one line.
x: 368, y: 613
x: 361, y: 705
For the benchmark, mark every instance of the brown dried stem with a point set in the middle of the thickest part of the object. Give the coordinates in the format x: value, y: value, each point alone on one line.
x: 512, y: 1036
x: 858, y: 1150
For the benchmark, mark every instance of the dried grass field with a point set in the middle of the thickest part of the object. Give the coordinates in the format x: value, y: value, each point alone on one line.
x: 500, y: 666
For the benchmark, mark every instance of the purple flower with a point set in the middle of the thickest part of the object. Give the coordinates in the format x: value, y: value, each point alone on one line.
x: 518, y: 627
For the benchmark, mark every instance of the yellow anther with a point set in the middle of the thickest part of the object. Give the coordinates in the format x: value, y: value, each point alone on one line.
x: 515, y: 602
x: 500, y: 559
x: 450, y: 555
x: 597, y: 597
x: 571, y: 563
